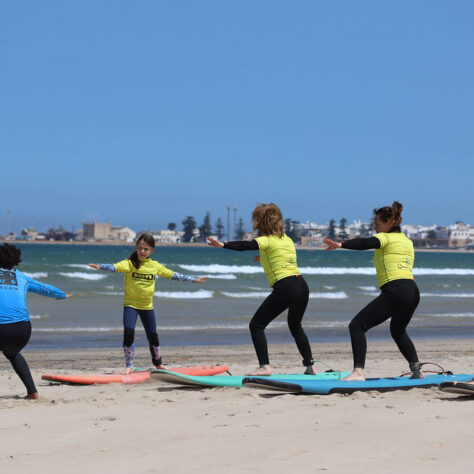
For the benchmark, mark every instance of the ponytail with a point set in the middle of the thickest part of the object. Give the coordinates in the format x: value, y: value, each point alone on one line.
x: 392, y: 214
x: 149, y: 240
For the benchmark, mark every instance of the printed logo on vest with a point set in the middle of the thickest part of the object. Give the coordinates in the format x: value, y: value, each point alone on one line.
x: 8, y: 277
x: 143, y: 276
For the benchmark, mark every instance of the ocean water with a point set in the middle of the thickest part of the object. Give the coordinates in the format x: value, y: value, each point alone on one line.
x: 218, y: 311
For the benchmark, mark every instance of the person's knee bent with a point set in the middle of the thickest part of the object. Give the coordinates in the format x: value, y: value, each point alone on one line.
x: 355, y: 326
x: 128, y: 337
x: 255, y: 326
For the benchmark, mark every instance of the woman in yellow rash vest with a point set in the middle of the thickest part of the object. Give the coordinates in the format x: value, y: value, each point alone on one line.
x: 290, y: 291
x: 399, y: 297
x: 139, y: 280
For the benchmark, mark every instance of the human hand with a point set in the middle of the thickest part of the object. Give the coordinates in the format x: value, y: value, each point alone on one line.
x: 68, y: 295
x: 201, y: 279
x: 94, y: 266
x: 332, y: 245
x: 214, y: 243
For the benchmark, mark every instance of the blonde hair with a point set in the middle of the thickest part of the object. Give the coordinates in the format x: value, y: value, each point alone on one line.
x: 267, y: 219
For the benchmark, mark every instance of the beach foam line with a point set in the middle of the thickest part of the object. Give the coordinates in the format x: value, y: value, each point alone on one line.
x: 78, y: 265
x: 368, y: 288
x: 449, y: 315
x: 201, y: 327
x: 83, y: 276
x: 223, y: 277
x: 264, y: 294
x: 36, y: 274
x: 200, y: 294
x: 245, y: 294
x: 254, y: 269
x: 218, y: 268
x: 336, y: 295
x: 447, y: 295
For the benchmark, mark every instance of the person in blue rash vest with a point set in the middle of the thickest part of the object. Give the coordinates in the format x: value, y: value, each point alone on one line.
x: 15, y: 326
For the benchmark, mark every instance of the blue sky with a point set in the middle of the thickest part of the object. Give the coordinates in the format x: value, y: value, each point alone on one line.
x: 145, y: 112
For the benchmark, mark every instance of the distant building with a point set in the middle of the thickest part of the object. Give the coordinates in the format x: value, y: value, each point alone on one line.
x: 96, y: 230
x: 167, y: 236
x: 122, y: 234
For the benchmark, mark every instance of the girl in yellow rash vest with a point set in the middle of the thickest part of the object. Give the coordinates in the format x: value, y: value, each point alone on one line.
x: 139, y: 280
x: 399, y: 297
x: 290, y: 291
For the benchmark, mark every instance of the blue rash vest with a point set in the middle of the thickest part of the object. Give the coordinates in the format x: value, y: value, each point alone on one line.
x: 13, y: 288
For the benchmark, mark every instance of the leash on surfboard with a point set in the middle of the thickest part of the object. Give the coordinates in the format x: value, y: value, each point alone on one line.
x: 440, y: 371
x: 329, y: 370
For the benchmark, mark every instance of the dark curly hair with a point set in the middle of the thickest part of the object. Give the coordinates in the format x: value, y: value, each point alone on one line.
x: 392, y: 214
x: 10, y: 256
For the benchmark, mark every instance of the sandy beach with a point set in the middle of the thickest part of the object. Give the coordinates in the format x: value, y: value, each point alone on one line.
x: 155, y: 427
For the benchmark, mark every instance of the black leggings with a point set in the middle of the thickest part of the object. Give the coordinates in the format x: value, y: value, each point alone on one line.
x: 292, y: 293
x: 13, y: 338
x: 398, y: 300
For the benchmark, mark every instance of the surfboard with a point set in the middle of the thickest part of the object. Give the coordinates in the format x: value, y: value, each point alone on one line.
x: 232, y: 380
x: 461, y: 388
x: 326, y: 387
x: 133, y: 378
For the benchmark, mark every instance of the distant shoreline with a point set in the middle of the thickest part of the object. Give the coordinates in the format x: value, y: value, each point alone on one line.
x: 197, y: 245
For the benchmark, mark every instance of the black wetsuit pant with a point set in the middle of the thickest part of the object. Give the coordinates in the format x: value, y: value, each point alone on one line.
x: 398, y: 301
x: 290, y: 293
x: 13, y: 338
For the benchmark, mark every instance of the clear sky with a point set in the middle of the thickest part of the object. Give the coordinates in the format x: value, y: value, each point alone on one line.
x: 145, y: 112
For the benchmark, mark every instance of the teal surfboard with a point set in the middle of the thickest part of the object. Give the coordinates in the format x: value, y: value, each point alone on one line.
x: 233, y: 380
x: 326, y: 387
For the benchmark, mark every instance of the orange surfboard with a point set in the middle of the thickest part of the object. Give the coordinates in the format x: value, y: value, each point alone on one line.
x: 135, y: 377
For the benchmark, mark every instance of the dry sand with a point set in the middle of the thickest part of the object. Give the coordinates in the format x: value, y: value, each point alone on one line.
x: 154, y: 427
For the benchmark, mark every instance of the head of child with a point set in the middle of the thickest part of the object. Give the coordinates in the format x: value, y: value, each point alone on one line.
x: 267, y: 219
x: 145, y: 246
x: 10, y: 256
x: 388, y: 219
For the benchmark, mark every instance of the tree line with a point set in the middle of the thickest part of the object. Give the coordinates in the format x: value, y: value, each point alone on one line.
x: 205, y: 229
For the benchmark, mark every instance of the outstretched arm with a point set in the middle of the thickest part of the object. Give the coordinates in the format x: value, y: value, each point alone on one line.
x: 46, y: 290
x: 108, y: 267
x: 354, y: 244
x: 181, y: 277
x: 239, y: 245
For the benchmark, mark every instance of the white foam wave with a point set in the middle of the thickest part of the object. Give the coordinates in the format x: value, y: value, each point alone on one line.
x: 111, y: 293
x: 367, y: 288
x: 78, y: 265
x: 81, y: 329
x: 217, y: 268
x: 37, y: 275
x: 443, y: 271
x: 83, y: 276
x: 246, y: 294
x: 223, y: 277
x: 328, y: 287
x: 452, y: 315
x: 448, y: 295
x: 253, y: 269
x: 37, y: 316
x: 336, y: 295
x: 200, y: 294
x: 264, y: 294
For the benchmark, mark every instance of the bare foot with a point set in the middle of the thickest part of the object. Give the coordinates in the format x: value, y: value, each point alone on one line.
x: 161, y: 367
x: 127, y: 371
x: 357, y: 374
x: 262, y: 371
x: 32, y: 396
x: 310, y: 370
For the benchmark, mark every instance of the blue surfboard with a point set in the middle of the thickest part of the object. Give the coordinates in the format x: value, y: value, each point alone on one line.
x: 326, y: 387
